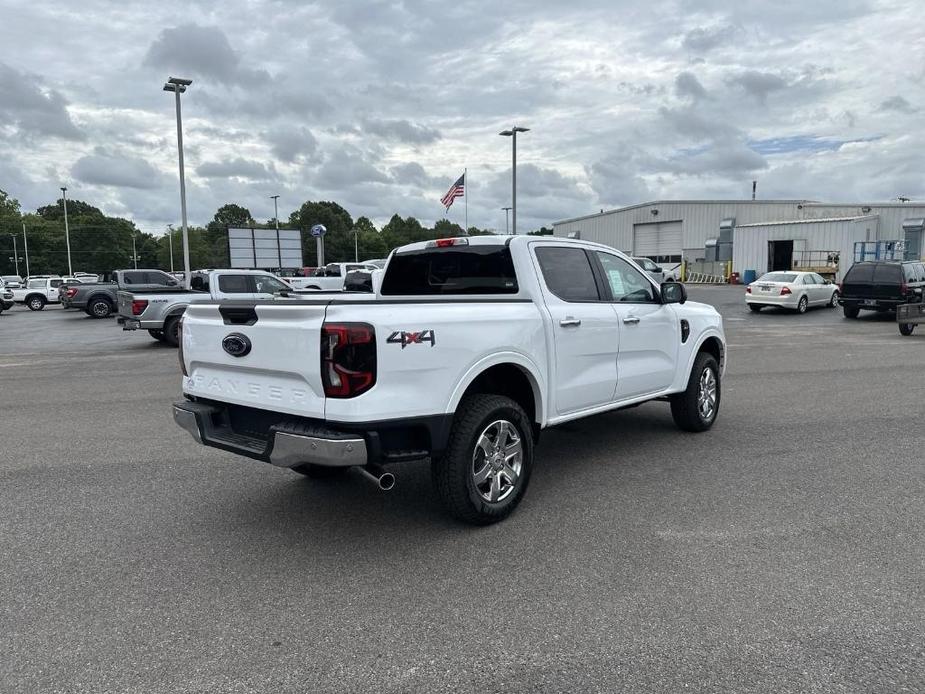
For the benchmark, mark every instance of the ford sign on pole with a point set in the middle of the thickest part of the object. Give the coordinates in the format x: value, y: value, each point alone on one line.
x: 318, y: 231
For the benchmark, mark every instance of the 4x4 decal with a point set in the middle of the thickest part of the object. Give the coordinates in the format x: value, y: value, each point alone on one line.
x: 403, y: 338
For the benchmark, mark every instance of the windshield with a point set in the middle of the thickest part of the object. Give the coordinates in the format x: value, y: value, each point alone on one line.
x: 785, y: 277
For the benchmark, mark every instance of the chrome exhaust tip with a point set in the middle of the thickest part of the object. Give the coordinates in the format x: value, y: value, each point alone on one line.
x: 375, y: 474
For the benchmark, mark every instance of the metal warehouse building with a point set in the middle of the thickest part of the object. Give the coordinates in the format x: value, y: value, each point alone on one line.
x: 757, y: 235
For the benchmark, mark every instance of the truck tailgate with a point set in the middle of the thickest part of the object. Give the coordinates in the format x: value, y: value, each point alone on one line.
x: 284, y: 338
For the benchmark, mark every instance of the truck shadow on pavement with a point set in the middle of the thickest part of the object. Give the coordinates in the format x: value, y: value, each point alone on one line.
x: 350, y: 509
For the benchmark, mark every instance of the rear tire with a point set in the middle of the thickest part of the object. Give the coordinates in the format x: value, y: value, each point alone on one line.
x: 697, y: 407
x: 320, y: 472
x: 172, y: 331
x: 99, y: 308
x: 755, y: 308
x: 36, y: 303
x: 906, y: 328
x: 802, y: 304
x: 157, y: 335
x: 486, y: 468
x: 851, y: 311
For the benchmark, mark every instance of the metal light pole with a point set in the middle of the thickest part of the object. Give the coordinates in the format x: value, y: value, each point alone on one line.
x: 512, y: 133
x: 279, y: 250
x: 178, y: 85
x: 134, y: 252
x: 506, y: 211
x: 67, y: 233
x: 170, y: 243
x: 25, y: 242
x: 15, y: 253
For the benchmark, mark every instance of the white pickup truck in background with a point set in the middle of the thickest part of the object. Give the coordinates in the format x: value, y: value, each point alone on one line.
x: 331, y: 277
x: 469, y: 349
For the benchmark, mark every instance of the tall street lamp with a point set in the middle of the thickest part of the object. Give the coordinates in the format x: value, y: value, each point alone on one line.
x: 67, y: 233
x: 512, y: 133
x: 178, y: 85
x: 25, y: 242
x: 279, y: 250
x: 506, y: 211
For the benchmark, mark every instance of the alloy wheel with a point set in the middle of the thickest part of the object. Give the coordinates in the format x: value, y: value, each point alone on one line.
x: 706, y: 394
x: 497, y: 461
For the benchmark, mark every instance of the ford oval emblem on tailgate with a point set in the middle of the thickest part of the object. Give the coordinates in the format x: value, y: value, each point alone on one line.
x: 237, y: 345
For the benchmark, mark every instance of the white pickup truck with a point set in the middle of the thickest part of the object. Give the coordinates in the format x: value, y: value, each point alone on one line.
x: 331, y: 277
x: 41, y: 291
x: 469, y: 349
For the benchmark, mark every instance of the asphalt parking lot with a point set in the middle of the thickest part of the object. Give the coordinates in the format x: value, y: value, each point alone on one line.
x: 783, y: 551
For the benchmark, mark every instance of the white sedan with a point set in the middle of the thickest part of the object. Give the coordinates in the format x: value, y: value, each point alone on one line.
x: 796, y: 291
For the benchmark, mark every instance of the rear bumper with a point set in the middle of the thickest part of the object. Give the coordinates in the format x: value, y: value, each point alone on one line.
x: 285, y: 446
x: 871, y: 304
x: 785, y: 301
x: 136, y: 324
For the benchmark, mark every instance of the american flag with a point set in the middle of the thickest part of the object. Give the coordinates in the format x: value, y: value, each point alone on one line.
x: 456, y: 191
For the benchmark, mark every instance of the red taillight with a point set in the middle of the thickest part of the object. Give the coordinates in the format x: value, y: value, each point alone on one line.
x: 903, y: 289
x: 784, y: 291
x: 748, y: 289
x: 139, y: 306
x: 348, y: 359
x: 180, y: 347
x: 70, y: 292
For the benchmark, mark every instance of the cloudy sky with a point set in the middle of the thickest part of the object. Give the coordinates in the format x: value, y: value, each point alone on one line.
x: 380, y: 105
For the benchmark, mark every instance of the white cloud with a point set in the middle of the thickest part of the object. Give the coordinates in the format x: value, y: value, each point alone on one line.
x: 379, y: 105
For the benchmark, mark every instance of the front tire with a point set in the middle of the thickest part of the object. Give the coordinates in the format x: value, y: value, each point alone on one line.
x: 99, y: 308
x: 906, y: 328
x: 850, y: 311
x: 696, y: 408
x: 834, y: 302
x: 36, y: 303
x: 486, y: 468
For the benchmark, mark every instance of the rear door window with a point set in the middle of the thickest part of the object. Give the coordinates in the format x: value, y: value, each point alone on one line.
x: 235, y: 284
x: 888, y: 273
x: 860, y: 274
x: 481, y: 269
x: 910, y: 273
x: 157, y: 278
x: 568, y: 273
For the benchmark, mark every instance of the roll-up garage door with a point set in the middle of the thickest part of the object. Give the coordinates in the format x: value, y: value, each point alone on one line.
x: 660, y: 241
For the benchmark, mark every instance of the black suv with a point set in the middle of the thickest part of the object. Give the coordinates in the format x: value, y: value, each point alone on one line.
x: 881, y: 285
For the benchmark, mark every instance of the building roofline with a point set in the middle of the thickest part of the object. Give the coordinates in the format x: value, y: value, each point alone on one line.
x: 683, y: 202
x: 813, y: 203
x: 820, y: 220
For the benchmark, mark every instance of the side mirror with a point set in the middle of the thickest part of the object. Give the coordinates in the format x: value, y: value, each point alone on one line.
x: 673, y: 293
x: 659, y: 269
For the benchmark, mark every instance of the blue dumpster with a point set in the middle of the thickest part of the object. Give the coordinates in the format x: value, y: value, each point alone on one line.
x: 749, y: 276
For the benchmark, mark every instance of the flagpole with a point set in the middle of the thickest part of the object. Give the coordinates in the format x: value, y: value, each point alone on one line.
x: 466, y: 192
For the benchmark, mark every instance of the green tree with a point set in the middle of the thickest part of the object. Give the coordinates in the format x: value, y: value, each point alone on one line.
x: 338, y: 242
x: 444, y: 228
x: 230, y: 215
x: 542, y: 231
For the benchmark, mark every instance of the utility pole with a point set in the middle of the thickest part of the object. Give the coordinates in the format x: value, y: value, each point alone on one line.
x: 178, y: 85
x: 506, y: 211
x: 67, y: 233
x: 15, y: 253
x: 25, y: 242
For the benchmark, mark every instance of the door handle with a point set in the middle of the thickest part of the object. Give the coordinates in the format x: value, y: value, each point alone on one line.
x: 631, y: 319
x: 569, y: 322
